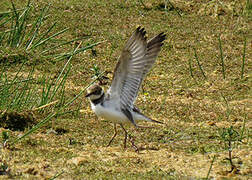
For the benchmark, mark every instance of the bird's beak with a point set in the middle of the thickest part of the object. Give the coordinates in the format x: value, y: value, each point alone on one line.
x: 87, y: 95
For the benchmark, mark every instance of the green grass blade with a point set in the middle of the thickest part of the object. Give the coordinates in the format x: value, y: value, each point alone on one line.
x: 243, y: 128
x: 18, y: 25
x: 64, y: 43
x: 200, y: 66
x: 57, y: 86
x: 173, y: 7
x: 47, y: 85
x: 66, y: 64
x: 49, y: 38
x: 35, y: 28
x: 8, y: 84
x: 60, y: 57
x: 46, y: 98
x: 25, y: 91
x: 10, y: 12
x: 61, y: 84
x: 22, y: 28
x: 14, y: 92
x: 28, y: 97
x: 40, y: 124
x: 222, y: 58
x: 17, y: 82
x: 45, y: 34
x: 2, y: 36
x: 8, y: 18
x: 56, y: 175
x: 14, y: 24
x: 210, y: 168
x: 243, y: 58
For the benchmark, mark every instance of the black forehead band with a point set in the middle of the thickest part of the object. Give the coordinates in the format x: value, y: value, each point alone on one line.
x: 97, y: 91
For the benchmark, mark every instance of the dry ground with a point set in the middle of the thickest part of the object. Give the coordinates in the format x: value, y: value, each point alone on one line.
x: 195, y: 109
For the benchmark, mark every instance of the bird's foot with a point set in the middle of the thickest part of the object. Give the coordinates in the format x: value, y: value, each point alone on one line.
x: 132, y: 141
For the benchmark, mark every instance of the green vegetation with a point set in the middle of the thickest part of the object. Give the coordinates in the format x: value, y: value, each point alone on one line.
x: 200, y: 87
x: 230, y: 136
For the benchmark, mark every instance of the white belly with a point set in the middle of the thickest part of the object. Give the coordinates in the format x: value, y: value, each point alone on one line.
x: 110, y: 114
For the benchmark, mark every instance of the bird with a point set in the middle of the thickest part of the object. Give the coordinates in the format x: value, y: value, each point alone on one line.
x: 117, y: 104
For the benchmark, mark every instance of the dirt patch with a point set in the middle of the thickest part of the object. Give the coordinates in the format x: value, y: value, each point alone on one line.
x: 16, y: 121
x: 61, y: 131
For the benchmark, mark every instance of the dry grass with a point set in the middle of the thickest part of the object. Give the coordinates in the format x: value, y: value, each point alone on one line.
x: 193, y: 108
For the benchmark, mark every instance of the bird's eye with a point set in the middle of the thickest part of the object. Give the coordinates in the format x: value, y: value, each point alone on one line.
x: 97, y: 92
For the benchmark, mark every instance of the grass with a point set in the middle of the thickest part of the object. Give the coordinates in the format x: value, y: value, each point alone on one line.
x: 222, y: 59
x: 51, y: 51
x: 200, y: 66
x: 243, y: 58
x: 210, y: 168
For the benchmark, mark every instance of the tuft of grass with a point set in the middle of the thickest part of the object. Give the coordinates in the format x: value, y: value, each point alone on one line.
x: 230, y: 136
x: 21, y: 93
x: 23, y: 32
x: 48, y: 95
x: 16, y: 93
x: 59, y: 111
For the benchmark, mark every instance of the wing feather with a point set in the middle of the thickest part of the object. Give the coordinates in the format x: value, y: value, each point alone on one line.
x: 135, y: 61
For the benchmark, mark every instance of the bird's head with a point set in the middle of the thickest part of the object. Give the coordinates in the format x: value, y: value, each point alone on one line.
x: 94, y: 92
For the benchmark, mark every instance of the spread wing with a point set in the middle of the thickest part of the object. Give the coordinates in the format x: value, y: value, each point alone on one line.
x: 135, y: 61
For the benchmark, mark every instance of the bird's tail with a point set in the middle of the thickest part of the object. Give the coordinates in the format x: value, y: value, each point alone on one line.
x: 151, y: 120
x: 141, y: 116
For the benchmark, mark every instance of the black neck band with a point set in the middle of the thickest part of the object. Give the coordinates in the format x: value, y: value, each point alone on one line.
x: 97, y: 101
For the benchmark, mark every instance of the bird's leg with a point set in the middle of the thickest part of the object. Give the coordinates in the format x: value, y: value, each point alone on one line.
x: 126, y: 134
x: 133, y: 143
x: 131, y: 139
x: 115, y: 133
